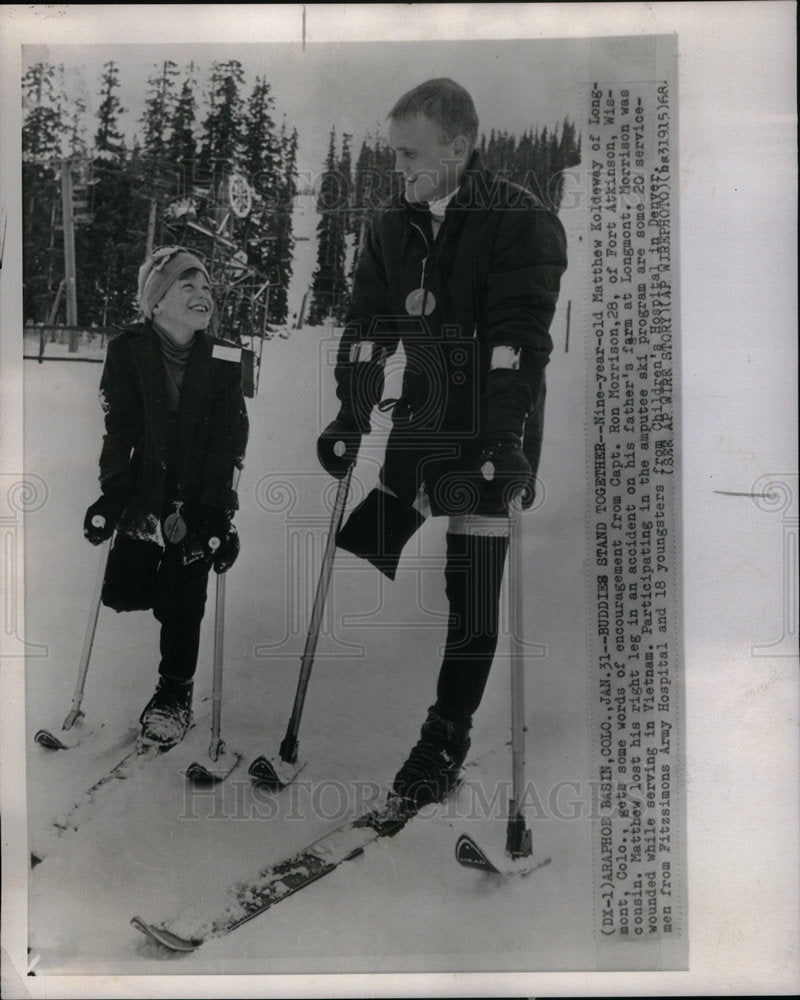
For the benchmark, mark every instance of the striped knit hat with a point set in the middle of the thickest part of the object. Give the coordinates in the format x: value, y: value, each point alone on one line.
x: 161, y: 270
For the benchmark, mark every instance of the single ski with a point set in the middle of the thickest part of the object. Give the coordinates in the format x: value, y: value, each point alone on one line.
x: 82, y: 809
x: 275, y: 883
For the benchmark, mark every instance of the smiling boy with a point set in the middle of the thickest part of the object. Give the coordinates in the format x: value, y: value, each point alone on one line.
x: 175, y: 429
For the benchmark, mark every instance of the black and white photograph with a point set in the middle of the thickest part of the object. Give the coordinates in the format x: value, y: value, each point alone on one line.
x: 399, y: 499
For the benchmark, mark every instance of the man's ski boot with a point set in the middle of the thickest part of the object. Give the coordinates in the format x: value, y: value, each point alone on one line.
x: 433, y: 767
x: 168, y: 715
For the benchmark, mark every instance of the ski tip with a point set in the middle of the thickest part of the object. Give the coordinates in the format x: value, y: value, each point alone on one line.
x: 46, y: 739
x: 272, y: 773
x: 210, y: 772
x: 67, y: 736
x: 470, y: 855
x: 164, y: 937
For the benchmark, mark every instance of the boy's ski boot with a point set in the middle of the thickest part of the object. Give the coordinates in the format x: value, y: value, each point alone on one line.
x: 168, y: 715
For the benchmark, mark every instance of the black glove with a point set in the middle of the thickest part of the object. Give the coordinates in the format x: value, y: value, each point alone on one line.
x: 102, y: 517
x: 504, y: 469
x: 211, y: 535
x: 337, y: 446
x: 505, y: 473
x: 226, y: 552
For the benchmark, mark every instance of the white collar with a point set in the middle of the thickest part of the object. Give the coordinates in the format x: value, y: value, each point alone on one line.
x: 437, y: 208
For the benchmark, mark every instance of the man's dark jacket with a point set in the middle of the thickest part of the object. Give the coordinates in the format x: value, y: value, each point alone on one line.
x: 494, y: 272
x: 155, y: 457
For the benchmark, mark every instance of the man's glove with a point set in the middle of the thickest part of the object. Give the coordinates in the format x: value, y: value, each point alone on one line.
x: 504, y: 469
x: 102, y: 517
x: 505, y: 473
x: 338, y: 444
x: 359, y: 387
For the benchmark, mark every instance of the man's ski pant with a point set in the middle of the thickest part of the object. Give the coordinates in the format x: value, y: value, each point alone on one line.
x: 378, y: 530
x: 476, y: 554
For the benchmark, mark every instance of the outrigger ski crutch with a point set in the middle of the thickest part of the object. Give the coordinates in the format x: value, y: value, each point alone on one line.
x: 277, y: 772
x: 221, y: 761
x: 74, y: 727
x: 518, y: 858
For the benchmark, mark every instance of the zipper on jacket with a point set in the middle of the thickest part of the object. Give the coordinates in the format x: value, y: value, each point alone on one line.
x: 421, y: 232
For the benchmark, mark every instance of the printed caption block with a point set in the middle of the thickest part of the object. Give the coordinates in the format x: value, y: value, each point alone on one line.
x: 633, y: 565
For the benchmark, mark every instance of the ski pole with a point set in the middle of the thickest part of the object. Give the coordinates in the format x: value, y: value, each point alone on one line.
x: 518, y: 838
x: 217, y: 746
x: 75, y: 712
x: 288, y: 749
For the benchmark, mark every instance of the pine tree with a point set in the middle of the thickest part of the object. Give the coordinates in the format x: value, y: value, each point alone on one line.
x: 110, y: 249
x: 329, y: 284
x: 223, y: 127
x: 44, y: 124
x: 155, y: 176
x: 261, y: 162
x: 375, y: 182
x: 158, y: 109
x: 43, y: 131
x: 77, y: 129
x: 536, y: 161
x: 346, y: 183
x: 180, y: 145
x: 108, y: 138
x: 261, y: 152
x: 284, y: 243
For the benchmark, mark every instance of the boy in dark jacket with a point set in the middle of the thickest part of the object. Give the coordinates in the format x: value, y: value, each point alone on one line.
x: 464, y: 268
x: 175, y: 429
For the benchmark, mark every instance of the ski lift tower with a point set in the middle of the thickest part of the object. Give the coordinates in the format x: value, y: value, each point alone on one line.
x: 215, y: 221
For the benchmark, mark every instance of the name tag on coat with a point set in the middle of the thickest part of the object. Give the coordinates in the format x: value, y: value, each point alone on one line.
x: 225, y: 353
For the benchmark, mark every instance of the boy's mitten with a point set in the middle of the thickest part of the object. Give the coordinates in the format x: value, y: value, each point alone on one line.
x: 211, y: 535
x: 102, y: 516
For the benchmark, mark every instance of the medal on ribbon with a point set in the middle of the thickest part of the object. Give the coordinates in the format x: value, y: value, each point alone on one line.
x: 420, y: 302
x: 175, y: 526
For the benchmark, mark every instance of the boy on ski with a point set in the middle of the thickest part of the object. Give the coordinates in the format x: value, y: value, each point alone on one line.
x: 464, y: 268
x: 175, y: 429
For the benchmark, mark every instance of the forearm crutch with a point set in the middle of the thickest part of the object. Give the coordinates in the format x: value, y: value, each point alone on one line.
x: 277, y: 772
x: 221, y: 761
x: 46, y: 737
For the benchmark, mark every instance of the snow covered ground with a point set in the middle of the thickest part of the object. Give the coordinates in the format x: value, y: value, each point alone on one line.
x: 155, y: 845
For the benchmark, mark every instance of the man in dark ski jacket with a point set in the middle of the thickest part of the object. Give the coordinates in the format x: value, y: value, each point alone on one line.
x: 176, y: 427
x: 464, y: 269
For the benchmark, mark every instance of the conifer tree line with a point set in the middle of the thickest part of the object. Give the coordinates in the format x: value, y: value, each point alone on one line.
x: 348, y: 196
x: 170, y: 184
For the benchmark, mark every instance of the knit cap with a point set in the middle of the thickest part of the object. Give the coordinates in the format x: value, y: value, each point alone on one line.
x: 160, y: 271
